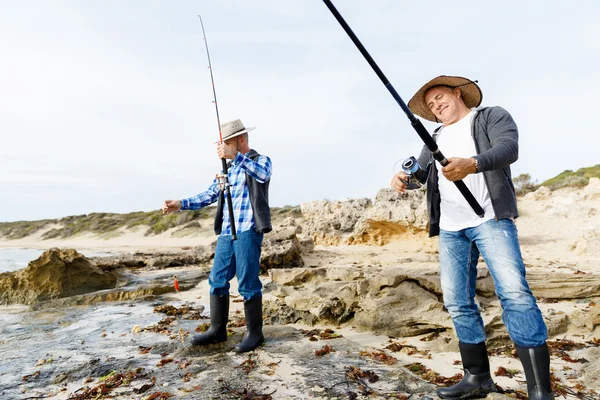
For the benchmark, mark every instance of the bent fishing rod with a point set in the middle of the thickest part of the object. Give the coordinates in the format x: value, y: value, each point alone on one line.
x: 416, y: 123
x: 224, y: 178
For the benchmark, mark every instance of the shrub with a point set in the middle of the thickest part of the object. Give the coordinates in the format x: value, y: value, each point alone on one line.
x: 523, y: 184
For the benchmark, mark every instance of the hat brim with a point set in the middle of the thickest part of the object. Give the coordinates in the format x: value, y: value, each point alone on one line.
x: 245, y: 130
x: 471, y: 94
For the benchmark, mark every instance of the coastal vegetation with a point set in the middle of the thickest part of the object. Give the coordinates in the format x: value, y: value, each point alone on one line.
x: 581, y: 177
x: 154, y: 222
x: 568, y: 178
x: 107, y: 224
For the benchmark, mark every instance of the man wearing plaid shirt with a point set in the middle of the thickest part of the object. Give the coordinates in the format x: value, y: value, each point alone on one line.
x: 249, y: 175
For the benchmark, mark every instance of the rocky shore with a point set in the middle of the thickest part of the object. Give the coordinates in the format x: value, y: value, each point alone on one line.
x: 353, y: 309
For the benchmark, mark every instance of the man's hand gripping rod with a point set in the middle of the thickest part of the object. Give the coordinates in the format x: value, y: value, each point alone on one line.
x: 416, y: 123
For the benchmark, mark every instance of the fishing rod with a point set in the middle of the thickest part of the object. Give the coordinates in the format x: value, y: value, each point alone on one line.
x: 416, y: 123
x: 224, y: 177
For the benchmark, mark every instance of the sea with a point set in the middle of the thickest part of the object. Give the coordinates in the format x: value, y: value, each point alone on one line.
x: 15, y: 259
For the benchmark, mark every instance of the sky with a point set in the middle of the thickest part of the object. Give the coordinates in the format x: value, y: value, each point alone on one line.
x: 106, y: 106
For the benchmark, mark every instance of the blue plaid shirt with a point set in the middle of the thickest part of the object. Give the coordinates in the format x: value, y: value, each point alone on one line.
x: 242, y: 210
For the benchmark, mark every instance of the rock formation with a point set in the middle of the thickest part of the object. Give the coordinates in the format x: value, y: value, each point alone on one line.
x: 55, y: 274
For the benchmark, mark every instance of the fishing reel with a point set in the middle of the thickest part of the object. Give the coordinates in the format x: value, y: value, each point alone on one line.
x: 222, y: 181
x: 411, y: 167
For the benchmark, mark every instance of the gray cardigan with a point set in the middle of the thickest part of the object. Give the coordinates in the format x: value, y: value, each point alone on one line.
x: 496, y: 140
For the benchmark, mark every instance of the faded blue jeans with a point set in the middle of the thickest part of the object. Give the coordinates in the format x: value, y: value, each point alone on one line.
x: 239, y: 257
x: 499, y: 245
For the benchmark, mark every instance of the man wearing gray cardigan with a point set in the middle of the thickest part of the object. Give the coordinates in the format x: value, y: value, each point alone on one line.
x: 482, y: 143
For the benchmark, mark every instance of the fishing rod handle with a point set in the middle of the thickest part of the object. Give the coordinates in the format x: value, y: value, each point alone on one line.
x: 461, y: 186
x: 464, y: 190
x: 229, y: 202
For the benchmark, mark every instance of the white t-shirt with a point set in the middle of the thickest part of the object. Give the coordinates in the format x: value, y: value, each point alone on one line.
x: 456, y: 214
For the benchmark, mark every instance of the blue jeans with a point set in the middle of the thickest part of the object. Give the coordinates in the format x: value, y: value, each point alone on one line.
x: 499, y: 245
x: 239, y: 257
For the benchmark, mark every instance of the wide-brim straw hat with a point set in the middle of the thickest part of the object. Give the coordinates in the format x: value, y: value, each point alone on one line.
x: 234, y: 128
x: 471, y: 94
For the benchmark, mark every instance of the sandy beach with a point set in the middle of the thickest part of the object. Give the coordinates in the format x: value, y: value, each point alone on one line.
x: 132, y: 240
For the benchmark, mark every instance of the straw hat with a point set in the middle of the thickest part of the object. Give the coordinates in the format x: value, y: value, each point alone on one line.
x: 471, y: 94
x: 233, y: 128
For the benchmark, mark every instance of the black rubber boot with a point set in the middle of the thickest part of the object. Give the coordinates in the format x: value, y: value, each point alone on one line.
x: 536, y: 363
x: 217, y: 332
x: 253, y: 336
x: 477, y: 381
